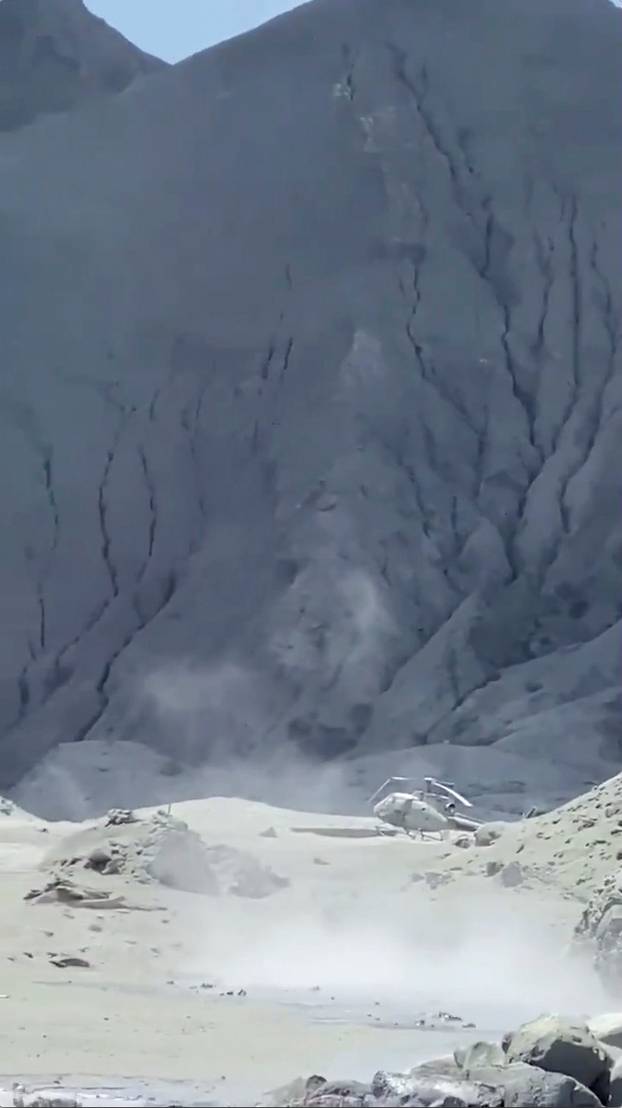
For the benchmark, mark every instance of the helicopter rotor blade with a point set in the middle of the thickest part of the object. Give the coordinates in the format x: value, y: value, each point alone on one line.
x: 390, y: 781
x: 451, y: 792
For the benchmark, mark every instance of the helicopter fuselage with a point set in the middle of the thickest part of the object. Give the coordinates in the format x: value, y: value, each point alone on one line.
x: 412, y: 814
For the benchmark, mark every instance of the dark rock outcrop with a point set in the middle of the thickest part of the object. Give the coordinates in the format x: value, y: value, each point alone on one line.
x: 311, y: 395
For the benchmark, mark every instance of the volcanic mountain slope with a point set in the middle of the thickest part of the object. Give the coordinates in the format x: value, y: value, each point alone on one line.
x: 54, y: 54
x: 311, y: 392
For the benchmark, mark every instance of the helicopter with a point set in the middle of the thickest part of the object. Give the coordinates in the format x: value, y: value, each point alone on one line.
x: 431, y: 810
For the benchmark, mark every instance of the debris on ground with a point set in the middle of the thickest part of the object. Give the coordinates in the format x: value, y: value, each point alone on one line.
x: 119, y: 817
x: 67, y: 963
x: 66, y: 892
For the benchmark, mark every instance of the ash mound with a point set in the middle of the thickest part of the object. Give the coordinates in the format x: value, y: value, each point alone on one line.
x: 577, y: 846
x: 162, y: 849
x: 54, y: 54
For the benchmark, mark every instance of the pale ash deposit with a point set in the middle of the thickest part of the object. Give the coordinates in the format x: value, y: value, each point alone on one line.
x: 231, y: 946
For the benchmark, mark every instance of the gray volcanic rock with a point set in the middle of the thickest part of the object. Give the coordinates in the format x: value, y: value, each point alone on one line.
x: 54, y: 54
x: 600, y: 931
x: 523, y: 1084
x: 311, y: 393
x: 561, y: 1046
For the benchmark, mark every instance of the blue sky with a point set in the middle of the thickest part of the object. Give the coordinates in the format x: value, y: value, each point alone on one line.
x: 173, y: 29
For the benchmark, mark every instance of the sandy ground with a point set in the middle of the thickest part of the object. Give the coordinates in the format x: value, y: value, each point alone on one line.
x: 314, y: 945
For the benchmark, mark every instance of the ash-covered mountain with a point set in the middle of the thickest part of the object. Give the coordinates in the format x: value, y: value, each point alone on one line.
x: 311, y: 391
x: 55, y: 54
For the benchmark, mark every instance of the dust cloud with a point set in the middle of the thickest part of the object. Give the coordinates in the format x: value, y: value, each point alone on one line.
x: 488, y: 960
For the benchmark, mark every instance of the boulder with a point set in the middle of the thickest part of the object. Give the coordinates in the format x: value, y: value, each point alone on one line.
x: 607, y: 1028
x: 424, y: 1090
x: 465, y: 842
x: 512, y: 875
x: 119, y: 817
x: 479, y: 1054
x: 333, y: 1100
x: 518, y: 1083
x: 608, y: 943
x: 335, y: 1094
x: 438, y: 1067
x: 524, y: 1084
x: 488, y: 833
x: 489, y: 1082
x: 615, y: 1087
x: 294, y: 1092
x: 600, y: 929
x: 493, y: 868
x: 561, y: 1046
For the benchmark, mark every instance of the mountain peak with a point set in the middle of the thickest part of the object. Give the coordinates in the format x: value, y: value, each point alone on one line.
x: 312, y: 399
x: 54, y: 54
